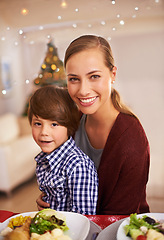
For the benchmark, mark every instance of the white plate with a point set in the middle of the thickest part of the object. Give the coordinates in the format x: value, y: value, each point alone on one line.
x: 78, y: 224
x: 94, y: 229
x: 121, y: 233
x: 110, y: 232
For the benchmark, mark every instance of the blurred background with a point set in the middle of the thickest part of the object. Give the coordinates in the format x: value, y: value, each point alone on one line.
x: 34, y: 34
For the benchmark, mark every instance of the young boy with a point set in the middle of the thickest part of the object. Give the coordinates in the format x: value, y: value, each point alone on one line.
x: 64, y: 173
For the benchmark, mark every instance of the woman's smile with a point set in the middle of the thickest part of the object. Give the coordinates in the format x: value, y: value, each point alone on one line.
x: 87, y: 101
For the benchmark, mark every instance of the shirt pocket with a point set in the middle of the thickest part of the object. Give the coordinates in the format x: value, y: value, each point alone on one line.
x: 58, y: 187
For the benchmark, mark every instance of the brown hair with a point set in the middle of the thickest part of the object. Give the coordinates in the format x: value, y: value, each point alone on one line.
x: 54, y: 104
x: 91, y: 41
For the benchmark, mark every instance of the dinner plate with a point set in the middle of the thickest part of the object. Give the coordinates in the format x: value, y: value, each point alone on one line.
x: 78, y: 224
x: 121, y: 233
x: 110, y: 232
x: 94, y: 230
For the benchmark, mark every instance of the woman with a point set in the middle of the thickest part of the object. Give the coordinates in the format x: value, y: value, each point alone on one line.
x: 109, y: 132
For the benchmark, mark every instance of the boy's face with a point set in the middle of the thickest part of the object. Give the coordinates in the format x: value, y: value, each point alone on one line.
x: 48, y: 134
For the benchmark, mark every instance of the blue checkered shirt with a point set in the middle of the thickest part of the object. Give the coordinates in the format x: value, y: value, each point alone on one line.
x: 69, y: 179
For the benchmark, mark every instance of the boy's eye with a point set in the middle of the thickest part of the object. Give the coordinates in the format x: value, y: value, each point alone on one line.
x: 54, y: 124
x: 37, y: 123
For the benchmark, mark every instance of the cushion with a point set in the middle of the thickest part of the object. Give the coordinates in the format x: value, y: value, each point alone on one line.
x: 9, y: 128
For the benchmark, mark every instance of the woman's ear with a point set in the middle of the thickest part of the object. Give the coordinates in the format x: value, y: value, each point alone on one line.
x: 114, y: 70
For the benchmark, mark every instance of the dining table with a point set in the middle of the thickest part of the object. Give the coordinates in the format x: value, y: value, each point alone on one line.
x: 99, y: 223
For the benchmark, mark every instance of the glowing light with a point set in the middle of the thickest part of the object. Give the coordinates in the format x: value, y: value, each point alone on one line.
x: 114, y: 29
x: 74, y: 25
x: 16, y: 43
x: 53, y: 66
x: 4, y: 92
x: 41, y: 27
x: 3, y: 38
x: 76, y: 10
x: 59, y: 17
x: 102, y: 22
x: 24, y: 11
x: 118, y: 15
x: 43, y: 66
x: 113, y: 2
x: 8, y: 28
x: 122, y: 22
x: 136, y: 8
x: 27, y: 81
x: 40, y: 75
x: 20, y: 31
x: 63, y: 4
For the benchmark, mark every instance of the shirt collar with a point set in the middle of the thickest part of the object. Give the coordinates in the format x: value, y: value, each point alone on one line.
x: 57, y: 155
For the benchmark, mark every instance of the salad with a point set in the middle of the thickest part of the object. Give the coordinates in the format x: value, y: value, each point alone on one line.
x: 144, y: 228
x: 46, y: 224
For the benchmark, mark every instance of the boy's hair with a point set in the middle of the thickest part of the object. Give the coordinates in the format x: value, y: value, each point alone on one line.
x: 55, y: 104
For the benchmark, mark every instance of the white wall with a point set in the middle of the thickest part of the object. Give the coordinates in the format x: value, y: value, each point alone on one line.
x: 140, y: 80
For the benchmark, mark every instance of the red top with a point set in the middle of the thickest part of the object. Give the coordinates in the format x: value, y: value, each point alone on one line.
x: 124, y: 168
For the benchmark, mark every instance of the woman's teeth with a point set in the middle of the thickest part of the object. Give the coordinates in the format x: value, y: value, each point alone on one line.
x: 87, y: 100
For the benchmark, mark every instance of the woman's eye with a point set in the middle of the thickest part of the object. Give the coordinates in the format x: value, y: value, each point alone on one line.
x: 73, y: 79
x: 95, y: 76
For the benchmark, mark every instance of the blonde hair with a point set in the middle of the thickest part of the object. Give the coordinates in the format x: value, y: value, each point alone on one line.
x: 91, y: 41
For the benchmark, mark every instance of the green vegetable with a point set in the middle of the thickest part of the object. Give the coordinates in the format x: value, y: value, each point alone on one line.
x: 134, y: 233
x: 136, y: 223
x: 47, y: 220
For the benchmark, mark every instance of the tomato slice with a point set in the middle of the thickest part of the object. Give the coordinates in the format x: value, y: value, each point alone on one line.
x: 141, y: 237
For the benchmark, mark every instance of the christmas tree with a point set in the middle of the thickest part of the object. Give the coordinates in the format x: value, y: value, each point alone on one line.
x: 52, y: 70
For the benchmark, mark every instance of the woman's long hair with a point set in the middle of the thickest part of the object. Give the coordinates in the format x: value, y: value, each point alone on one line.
x: 86, y: 42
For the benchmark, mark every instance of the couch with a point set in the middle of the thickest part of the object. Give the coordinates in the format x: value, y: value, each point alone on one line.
x: 17, y: 152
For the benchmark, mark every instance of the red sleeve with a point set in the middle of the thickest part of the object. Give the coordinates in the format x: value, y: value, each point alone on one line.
x: 124, y: 168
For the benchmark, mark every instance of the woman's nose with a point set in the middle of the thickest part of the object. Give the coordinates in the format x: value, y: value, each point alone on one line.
x: 84, y: 88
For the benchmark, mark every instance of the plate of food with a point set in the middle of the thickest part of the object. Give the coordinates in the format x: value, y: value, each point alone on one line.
x: 147, y: 226
x: 45, y: 224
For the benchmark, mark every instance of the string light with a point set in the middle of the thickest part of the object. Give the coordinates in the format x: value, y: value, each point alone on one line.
x: 4, y: 92
x: 63, y: 4
x: 122, y: 22
x: 24, y: 11
x: 20, y: 31
x: 102, y: 22
x: 74, y: 25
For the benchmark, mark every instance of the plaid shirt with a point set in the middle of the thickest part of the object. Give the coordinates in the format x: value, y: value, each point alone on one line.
x: 69, y: 179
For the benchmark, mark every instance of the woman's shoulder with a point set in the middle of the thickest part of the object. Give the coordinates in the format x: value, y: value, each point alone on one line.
x: 127, y: 129
x: 126, y: 121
